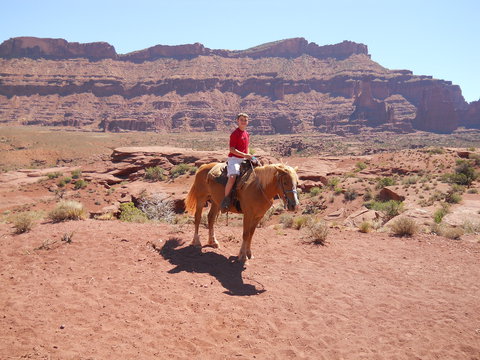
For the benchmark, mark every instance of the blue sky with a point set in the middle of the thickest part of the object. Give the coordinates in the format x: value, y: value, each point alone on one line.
x: 437, y: 38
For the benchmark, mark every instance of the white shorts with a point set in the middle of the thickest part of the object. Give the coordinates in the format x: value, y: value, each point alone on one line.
x: 233, y: 165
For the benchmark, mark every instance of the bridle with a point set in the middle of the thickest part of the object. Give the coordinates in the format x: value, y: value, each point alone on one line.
x: 286, y: 200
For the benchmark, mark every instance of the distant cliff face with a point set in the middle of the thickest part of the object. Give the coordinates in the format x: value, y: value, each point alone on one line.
x: 286, y: 86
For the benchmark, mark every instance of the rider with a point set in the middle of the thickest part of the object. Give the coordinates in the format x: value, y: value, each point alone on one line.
x: 239, y: 141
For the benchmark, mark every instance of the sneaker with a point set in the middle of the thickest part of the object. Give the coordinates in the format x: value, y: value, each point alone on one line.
x: 225, y: 204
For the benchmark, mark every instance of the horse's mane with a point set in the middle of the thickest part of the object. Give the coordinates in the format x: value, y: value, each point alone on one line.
x: 265, y: 174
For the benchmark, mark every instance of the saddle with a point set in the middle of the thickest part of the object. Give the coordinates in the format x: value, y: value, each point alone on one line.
x: 219, y: 174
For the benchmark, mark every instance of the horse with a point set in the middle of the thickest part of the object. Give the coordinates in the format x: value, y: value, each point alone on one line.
x: 255, y: 195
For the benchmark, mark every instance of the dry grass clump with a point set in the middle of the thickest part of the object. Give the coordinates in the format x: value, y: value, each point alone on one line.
x: 318, y: 231
x: 67, y: 210
x: 365, y: 227
x: 447, y: 231
x: 22, y: 222
x: 404, y: 226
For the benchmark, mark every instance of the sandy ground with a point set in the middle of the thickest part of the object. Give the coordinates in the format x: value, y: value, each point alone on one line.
x: 137, y: 291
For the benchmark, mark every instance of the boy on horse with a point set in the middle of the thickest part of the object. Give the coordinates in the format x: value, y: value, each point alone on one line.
x: 239, y: 142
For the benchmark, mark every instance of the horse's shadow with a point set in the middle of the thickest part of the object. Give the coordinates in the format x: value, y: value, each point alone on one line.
x: 191, y: 259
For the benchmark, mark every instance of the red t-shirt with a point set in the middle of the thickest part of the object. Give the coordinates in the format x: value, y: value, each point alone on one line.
x: 239, y: 140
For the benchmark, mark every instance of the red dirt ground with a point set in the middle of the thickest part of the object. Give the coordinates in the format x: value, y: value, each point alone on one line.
x: 126, y: 290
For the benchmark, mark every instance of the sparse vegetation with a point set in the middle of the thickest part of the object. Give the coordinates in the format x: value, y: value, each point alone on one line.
x: 287, y: 220
x: 67, y: 210
x: 157, y: 207
x: 54, y: 175
x: 385, y: 181
x: 365, y: 227
x: 318, y: 231
x: 80, y: 184
x: 22, y: 222
x: 404, y: 226
x: 181, y: 169
x: 155, y: 173
x: 350, y: 194
x: 390, y: 208
x: 314, y: 191
x: 360, y: 166
x: 76, y: 174
x: 130, y: 213
x: 440, y: 213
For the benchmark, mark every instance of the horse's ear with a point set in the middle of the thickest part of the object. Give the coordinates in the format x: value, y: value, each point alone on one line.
x: 295, y: 168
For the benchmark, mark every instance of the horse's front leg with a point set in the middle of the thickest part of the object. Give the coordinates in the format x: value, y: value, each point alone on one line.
x: 198, y: 217
x: 249, y: 226
x: 212, y: 217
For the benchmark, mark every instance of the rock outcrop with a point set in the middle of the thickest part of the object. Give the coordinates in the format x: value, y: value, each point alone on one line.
x: 287, y: 86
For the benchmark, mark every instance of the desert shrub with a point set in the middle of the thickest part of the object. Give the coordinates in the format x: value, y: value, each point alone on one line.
x: 435, y: 150
x: 453, y: 197
x: 447, y: 231
x: 129, y: 213
x: 464, y: 173
x: 155, y: 173
x: 22, y: 222
x: 440, y: 213
x: 299, y: 222
x: 67, y: 210
x: 80, y: 184
x: 475, y: 159
x: 390, y: 208
x: 156, y: 207
x: 61, y: 182
x: 54, y: 175
x: 410, y: 180
x: 472, y: 191
x: 365, y: 227
x: 368, y: 195
x: 471, y: 227
x: 360, y: 166
x: 404, y: 226
x: 350, y: 194
x: 385, y: 181
x: 333, y: 182
x: 314, y: 191
x: 76, y: 174
x: 287, y: 220
x: 318, y: 231
x: 181, y: 169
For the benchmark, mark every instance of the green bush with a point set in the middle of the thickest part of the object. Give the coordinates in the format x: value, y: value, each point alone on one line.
x: 155, y: 173
x: 439, y: 214
x: 360, y: 166
x: 54, y: 175
x: 181, y: 169
x: 390, y: 208
x: 67, y: 210
x: 76, y: 174
x: 128, y: 212
x: 333, y: 182
x: 385, y: 181
x: 314, y: 191
x: 365, y: 227
x: 80, y: 184
x: 350, y: 194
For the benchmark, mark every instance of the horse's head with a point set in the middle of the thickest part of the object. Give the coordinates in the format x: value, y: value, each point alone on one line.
x: 287, y: 186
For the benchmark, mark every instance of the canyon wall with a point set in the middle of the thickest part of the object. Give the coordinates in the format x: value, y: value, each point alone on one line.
x: 286, y: 86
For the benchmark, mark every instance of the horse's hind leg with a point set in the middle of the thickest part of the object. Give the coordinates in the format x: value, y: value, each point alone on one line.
x: 212, y: 217
x: 198, y: 217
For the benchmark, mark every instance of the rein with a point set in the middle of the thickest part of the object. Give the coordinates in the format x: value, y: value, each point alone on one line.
x: 285, y: 192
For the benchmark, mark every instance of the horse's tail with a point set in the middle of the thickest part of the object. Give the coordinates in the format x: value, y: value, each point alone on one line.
x: 191, y: 200
x: 199, y: 185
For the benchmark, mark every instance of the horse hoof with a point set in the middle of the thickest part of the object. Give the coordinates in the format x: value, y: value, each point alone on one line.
x: 197, y: 244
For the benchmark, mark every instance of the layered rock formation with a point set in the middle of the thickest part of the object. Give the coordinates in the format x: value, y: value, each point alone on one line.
x: 286, y: 86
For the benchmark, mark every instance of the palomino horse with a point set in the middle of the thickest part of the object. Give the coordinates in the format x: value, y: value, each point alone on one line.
x: 255, y: 195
